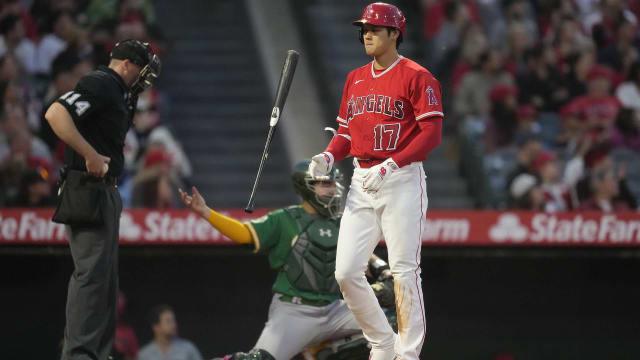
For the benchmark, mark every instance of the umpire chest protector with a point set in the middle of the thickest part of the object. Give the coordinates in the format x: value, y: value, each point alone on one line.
x: 311, y: 262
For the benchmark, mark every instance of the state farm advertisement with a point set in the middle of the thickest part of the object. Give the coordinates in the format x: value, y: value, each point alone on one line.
x: 442, y: 228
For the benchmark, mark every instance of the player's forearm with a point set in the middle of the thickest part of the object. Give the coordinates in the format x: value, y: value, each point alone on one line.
x: 66, y: 130
x: 429, y: 137
x: 230, y: 227
x: 339, y: 147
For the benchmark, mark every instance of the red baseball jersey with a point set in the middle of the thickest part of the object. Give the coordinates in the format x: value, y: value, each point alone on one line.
x: 379, y: 112
x: 601, y: 110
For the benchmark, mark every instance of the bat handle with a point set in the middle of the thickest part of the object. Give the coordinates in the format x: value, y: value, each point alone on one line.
x: 265, y: 155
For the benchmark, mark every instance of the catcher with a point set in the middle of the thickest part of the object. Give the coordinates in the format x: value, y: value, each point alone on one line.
x: 306, y: 309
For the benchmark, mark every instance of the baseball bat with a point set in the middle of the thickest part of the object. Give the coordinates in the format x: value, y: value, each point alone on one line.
x: 286, y: 77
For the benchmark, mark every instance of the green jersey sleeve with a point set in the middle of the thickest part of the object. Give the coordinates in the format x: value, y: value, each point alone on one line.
x: 266, y: 230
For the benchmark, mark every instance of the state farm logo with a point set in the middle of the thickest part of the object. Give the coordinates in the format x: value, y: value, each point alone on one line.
x: 508, y: 228
x: 129, y: 229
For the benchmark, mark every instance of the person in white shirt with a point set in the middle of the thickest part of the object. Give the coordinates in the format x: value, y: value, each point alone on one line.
x: 628, y: 93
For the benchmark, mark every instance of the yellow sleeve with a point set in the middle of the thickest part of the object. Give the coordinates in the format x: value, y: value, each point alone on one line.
x: 230, y: 227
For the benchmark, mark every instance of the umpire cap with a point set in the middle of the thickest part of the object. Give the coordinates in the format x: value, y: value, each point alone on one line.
x: 136, y: 51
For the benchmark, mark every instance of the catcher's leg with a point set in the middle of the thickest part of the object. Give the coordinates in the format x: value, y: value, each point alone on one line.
x: 255, y: 354
x: 290, y: 328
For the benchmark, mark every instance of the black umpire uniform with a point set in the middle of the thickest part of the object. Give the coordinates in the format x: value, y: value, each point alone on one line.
x: 101, y: 107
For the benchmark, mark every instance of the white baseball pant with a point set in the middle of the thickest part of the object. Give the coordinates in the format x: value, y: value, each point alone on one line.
x: 397, y: 213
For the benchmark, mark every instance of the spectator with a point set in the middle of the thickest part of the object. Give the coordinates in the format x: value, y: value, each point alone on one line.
x: 579, y: 66
x: 16, y: 7
x: 437, y: 12
x: 126, y: 340
x: 473, y: 94
x: 152, y: 187
x: 558, y: 188
x: 503, y: 115
x: 526, y: 124
x: 456, y: 18
x: 519, y: 40
x: 62, y: 27
x: 626, y: 132
x: 601, y: 24
x: 526, y: 194
x: 15, y: 42
x: 605, y: 188
x: 166, y: 344
x: 474, y: 44
x: 604, y: 163
x: 34, y: 190
x: 628, y: 93
x: 597, y: 109
x: 528, y: 150
x: 515, y: 12
x: 148, y: 129
x: 567, y: 41
x: 18, y: 91
x: 542, y: 85
x: 13, y: 124
x: 620, y: 55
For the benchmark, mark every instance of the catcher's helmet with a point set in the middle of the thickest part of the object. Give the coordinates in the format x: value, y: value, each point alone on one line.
x: 328, y: 205
x: 383, y: 14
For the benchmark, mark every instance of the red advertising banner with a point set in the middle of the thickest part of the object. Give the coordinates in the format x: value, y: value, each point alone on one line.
x: 444, y: 228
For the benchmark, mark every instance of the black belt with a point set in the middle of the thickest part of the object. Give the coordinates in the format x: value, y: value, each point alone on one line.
x: 303, y: 301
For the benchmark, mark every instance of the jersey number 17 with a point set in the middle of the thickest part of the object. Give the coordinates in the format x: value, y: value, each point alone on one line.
x: 385, y: 136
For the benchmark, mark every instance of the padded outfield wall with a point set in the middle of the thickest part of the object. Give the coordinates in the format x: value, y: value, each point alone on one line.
x: 571, y: 294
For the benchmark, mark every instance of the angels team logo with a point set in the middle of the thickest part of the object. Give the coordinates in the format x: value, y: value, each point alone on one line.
x: 432, y: 97
x: 350, y: 109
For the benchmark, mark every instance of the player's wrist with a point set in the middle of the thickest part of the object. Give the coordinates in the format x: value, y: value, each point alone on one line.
x: 391, y: 164
x: 329, y: 158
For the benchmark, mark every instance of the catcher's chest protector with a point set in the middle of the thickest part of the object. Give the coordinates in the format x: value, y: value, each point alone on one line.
x: 311, y: 263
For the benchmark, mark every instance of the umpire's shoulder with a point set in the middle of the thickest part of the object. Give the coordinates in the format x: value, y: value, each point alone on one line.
x: 98, y: 83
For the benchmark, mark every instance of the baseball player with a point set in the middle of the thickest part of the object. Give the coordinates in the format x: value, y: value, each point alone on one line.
x: 300, y: 242
x: 390, y: 118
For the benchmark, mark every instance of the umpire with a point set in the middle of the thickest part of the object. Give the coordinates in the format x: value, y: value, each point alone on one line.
x: 93, y: 120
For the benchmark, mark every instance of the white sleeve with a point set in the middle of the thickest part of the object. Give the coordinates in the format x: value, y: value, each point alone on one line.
x: 574, y: 171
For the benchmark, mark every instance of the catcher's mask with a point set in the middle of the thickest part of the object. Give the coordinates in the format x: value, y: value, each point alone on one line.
x: 140, y: 54
x: 328, y: 204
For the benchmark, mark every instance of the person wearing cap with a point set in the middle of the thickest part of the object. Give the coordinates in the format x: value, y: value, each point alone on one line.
x: 597, y: 109
x: 389, y: 119
x: 525, y: 193
x: 93, y: 120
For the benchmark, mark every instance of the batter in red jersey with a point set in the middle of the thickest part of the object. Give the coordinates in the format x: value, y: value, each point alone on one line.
x: 390, y: 118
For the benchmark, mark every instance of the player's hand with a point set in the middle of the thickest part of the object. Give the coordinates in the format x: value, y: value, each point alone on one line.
x: 97, y: 165
x: 194, y: 202
x: 378, y: 175
x: 321, y: 165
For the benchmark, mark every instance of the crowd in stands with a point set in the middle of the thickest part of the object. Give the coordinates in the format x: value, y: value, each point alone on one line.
x: 549, y: 92
x: 46, y: 46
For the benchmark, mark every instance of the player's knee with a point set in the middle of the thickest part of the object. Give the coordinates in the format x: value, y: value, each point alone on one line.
x: 346, y: 280
x: 405, y: 270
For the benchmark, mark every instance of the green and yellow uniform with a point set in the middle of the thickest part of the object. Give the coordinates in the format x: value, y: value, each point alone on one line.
x: 302, y: 247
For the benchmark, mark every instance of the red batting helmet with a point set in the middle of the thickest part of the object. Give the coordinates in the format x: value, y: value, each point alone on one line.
x: 383, y: 14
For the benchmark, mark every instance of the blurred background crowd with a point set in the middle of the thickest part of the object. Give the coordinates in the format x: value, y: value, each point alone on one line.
x: 46, y: 46
x: 542, y: 98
